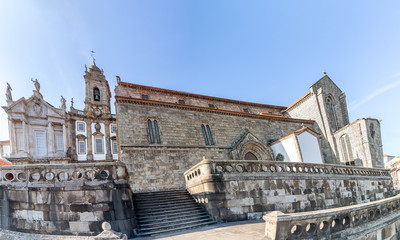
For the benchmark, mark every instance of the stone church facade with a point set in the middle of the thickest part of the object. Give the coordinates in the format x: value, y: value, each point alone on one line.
x: 40, y: 132
x: 73, y: 170
x: 162, y: 133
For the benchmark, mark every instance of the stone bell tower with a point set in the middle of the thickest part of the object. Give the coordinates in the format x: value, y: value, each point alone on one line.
x: 97, y: 93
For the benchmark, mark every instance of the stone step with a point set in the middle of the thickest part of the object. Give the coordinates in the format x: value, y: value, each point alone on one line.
x: 173, y: 221
x: 161, y: 193
x: 175, y: 228
x: 162, y: 206
x: 163, y: 202
x: 167, y: 210
x: 173, y: 214
x: 161, y: 197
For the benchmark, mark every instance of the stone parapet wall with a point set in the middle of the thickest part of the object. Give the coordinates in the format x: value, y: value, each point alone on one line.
x: 242, y: 189
x: 374, y: 220
x: 66, y: 199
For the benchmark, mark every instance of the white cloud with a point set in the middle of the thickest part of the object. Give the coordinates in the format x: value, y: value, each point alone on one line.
x: 357, y: 103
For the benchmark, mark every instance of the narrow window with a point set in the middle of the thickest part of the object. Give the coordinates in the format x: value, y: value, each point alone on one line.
x: 113, y: 128
x: 81, y: 126
x: 157, y: 132
x: 99, y: 146
x: 96, y: 94
x: 181, y: 101
x: 59, y: 142
x: 211, y: 105
x: 208, y: 139
x: 210, y: 135
x: 115, y: 149
x: 145, y: 96
x: 40, y: 143
x: 204, y: 134
x: 81, y: 147
x: 151, y: 134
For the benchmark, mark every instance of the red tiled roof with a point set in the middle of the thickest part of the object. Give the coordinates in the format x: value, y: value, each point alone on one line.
x: 4, y: 162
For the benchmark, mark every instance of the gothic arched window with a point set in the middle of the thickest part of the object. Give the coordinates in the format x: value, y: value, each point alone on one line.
x: 332, y: 114
x: 96, y: 94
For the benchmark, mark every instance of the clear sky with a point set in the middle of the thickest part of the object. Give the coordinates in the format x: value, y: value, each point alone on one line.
x: 260, y: 51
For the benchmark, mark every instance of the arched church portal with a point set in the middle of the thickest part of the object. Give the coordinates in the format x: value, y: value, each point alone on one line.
x: 250, y: 156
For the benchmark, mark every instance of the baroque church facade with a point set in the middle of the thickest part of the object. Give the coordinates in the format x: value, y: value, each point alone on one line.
x: 160, y: 133
x: 42, y: 133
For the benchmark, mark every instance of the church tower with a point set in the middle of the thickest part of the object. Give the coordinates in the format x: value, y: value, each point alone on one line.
x: 97, y: 93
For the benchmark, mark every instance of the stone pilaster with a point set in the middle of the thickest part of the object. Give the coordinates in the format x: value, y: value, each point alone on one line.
x: 89, y: 141
x: 107, y: 139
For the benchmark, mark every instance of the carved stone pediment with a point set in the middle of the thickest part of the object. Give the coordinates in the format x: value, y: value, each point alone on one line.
x: 247, y: 142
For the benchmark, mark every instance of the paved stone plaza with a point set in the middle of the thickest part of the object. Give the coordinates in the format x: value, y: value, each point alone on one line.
x: 242, y: 230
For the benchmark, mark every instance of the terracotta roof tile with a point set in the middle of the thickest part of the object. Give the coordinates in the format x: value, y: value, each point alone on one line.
x: 4, y: 162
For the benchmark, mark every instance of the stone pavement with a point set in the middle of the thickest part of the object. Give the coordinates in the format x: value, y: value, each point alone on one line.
x: 243, y: 230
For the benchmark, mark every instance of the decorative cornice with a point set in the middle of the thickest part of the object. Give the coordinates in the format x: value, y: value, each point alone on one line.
x: 139, y: 101
x: 186, y: 94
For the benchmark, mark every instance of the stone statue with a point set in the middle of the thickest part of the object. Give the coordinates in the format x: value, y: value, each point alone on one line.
x: 8, y: 92
x: 72, y: 102
x: 118, y: 79
x: 37, y: 84
x: 63, y: 106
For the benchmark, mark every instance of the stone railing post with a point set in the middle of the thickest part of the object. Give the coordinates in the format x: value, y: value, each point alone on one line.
x: 274, y: 229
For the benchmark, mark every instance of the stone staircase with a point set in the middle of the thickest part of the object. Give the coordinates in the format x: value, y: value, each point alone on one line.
x: 168, y: 211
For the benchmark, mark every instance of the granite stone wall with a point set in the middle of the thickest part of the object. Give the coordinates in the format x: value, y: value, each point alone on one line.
x: 238, y: 190
x: 161, y: 166
x: 69, y: 199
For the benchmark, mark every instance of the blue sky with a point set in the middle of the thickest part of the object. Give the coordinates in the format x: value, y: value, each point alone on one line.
x: 260, y: 51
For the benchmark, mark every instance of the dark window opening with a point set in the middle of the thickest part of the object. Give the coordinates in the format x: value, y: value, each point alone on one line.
x: 153, y: 131
x: 157, y: 132
x: 181, y: 101
x: 246, y: 110
x: 250, y: 156
x: 211, y: 105
x: 151, y: 134
x: 208, y: 138
x: 279, y: 157
x: 145, y: 96
x: 96, y: 94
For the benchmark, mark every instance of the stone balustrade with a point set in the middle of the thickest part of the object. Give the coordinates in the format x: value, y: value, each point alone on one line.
x: 245, y: 189
x: 245, y: 167
x: 66, y: 198
x: 337, y: 223
x: 59, y: 175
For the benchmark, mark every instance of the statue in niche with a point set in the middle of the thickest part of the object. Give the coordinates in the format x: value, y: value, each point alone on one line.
x: 37, y: 84
x: 8, y: 92
x: 63, y: 106
x: 118, y: 79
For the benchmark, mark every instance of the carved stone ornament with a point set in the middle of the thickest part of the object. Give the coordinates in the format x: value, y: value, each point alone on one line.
x: 97, y: 112
x: 37, y: 108
x: 97, y: 127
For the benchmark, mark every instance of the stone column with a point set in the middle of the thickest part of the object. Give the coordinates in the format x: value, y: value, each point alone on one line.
x: 25, y: 128
x: 13, y: 144
x: 108, y: 139
x: 65, y: 138
x: 51, y: 138
x: 89, y: 141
